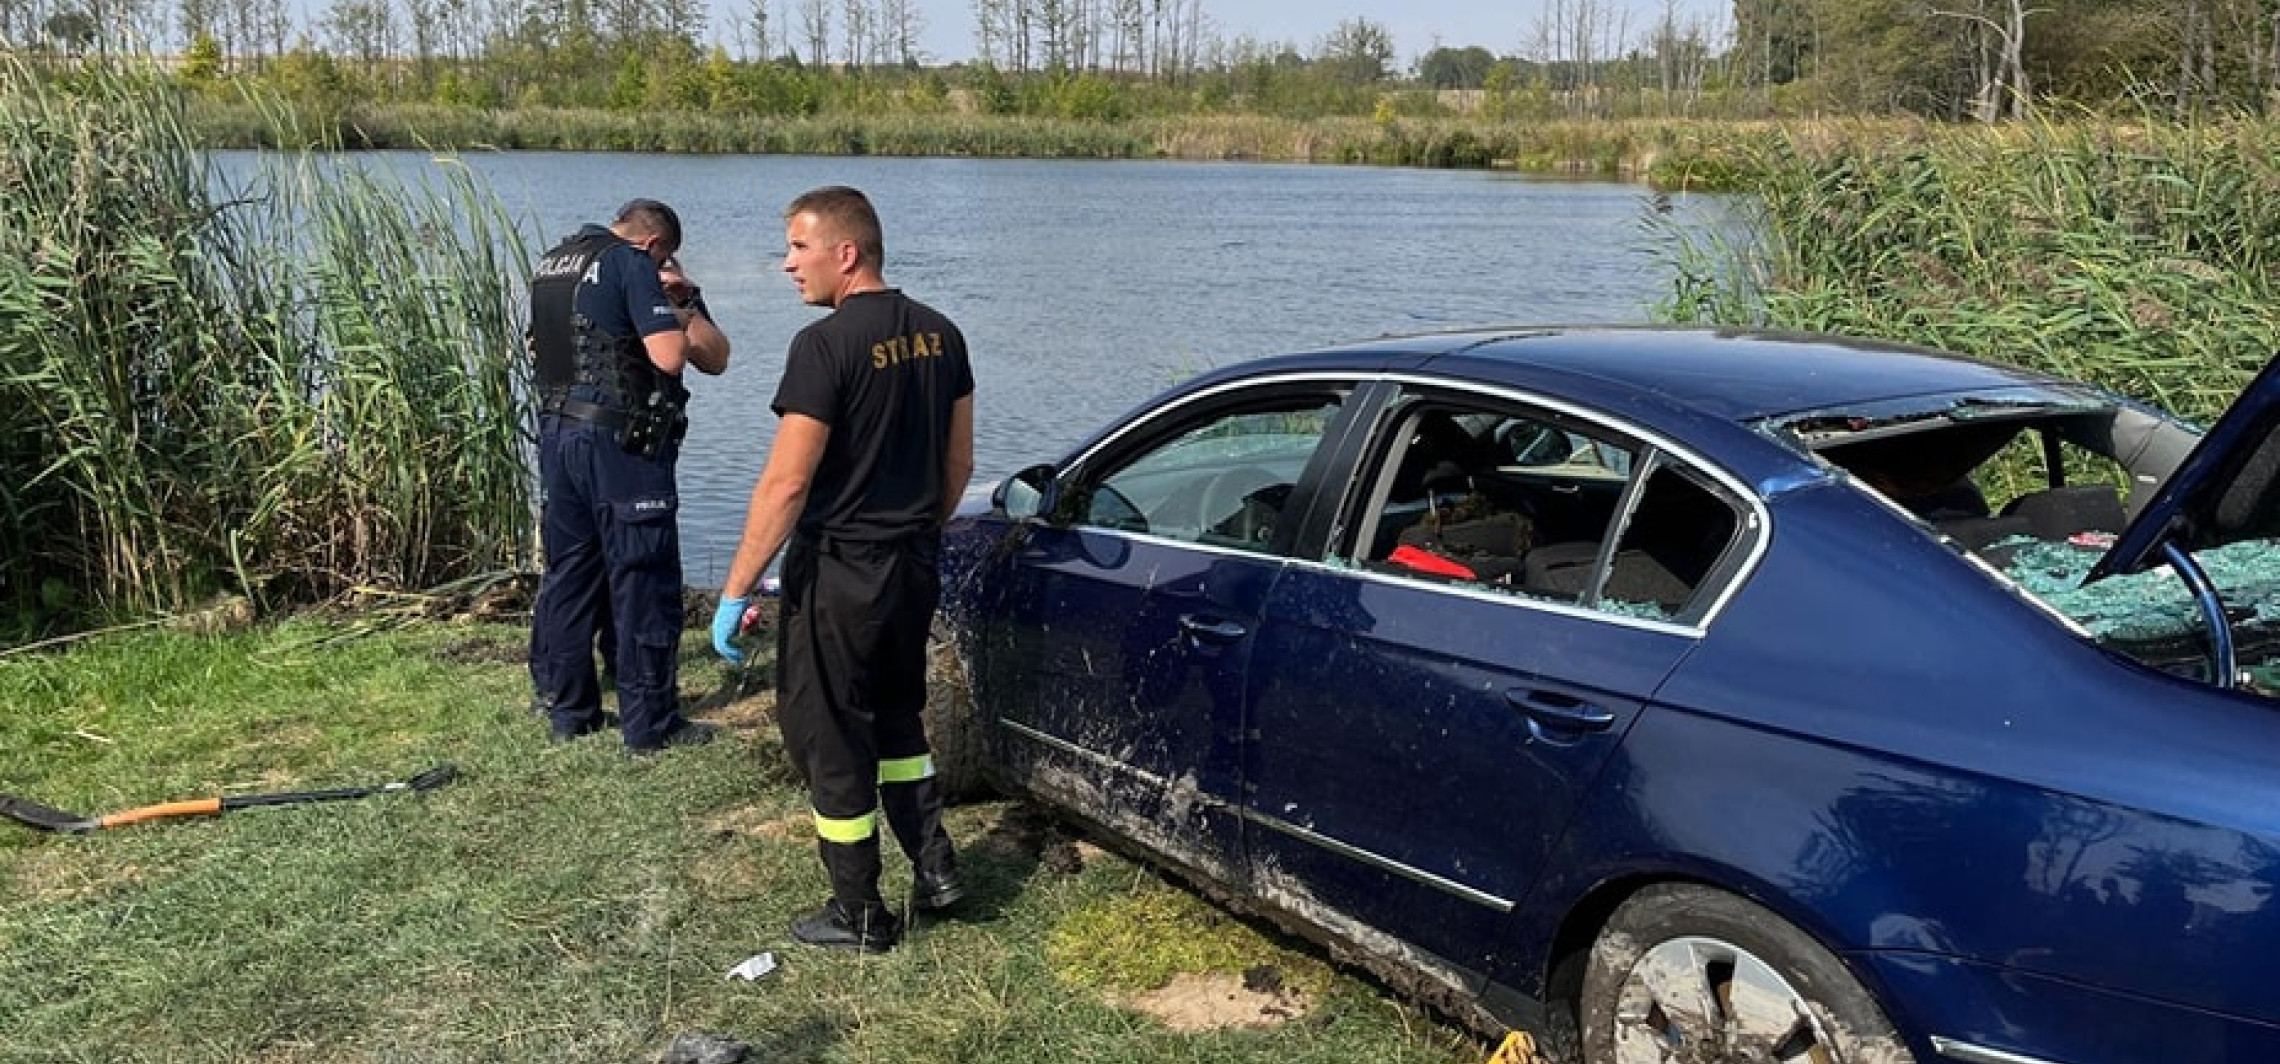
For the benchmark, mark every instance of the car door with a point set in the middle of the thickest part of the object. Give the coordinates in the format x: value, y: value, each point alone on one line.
x: 1424, y: 718
x: 1131, y: 614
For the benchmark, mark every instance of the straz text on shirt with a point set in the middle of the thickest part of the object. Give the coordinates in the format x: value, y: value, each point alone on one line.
x: 895, y: 351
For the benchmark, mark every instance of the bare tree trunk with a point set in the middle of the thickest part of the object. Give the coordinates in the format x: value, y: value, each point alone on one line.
x: 2014, y: 64
x: 1128, y: 47
x: 1582, y: 16
x: 1024, y: 36
x: 815, y: 30
x: 2269, y: 84
x: 1050, y: 44
x: 989, y: 30
x: 2189, y: 32
x: 755, y: 22
x: 2004, y: 93
x: 278, y: 24
x: 855, y: 33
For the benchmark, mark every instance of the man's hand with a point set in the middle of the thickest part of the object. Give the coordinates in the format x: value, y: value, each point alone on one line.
x: 678, y: 288
x: 728, y: 623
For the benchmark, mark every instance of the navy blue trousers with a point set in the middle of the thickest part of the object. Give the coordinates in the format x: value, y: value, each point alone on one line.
x: 609, y: 526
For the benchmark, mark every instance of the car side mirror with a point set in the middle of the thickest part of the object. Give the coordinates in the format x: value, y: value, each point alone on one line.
x: 1030, y: 494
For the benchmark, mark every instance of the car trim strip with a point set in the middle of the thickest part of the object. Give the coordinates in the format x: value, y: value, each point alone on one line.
x: 1103, y: 760
x: 1417, y: 875
x: 1346, y: 568
x: 1976, y: 1054
x: 1348, y: 380
x: 1486, y: 594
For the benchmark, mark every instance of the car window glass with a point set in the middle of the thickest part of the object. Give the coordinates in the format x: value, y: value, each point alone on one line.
x: 1499, y: 499
x: 1529, y: 503
x: 2053, y: 508
x: 2040, y: 500
x: 1225, y: 480
x: 1680, y: 528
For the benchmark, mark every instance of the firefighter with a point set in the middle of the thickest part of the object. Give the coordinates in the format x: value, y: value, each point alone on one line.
x: 874, y: 447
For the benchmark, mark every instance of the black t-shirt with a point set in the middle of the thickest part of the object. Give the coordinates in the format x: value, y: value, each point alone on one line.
x: 884, y: 371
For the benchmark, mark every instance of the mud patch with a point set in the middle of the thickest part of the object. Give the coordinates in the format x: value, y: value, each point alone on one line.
x: 483, y: 650
x: 1212, y: 1001
x: 752, y: 822
x: 1024, y: 834
x: 735, y: 876
x: 1160, y: 950
x: 740, y: 701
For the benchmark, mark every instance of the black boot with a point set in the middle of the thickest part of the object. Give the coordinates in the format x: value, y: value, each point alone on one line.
x: 914, y: 812
x: 855, y: 918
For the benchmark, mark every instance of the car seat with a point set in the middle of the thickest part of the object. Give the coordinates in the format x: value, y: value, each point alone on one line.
x: 2057, y: 513
x: 1563, y: 571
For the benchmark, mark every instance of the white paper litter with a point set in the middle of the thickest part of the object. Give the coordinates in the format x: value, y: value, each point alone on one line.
x: 754, y: 967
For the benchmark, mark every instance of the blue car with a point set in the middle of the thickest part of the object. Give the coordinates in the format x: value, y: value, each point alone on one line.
x: 1676, y: 695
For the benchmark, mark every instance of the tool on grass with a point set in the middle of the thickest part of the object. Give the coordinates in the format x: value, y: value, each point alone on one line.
x: 50, y: 819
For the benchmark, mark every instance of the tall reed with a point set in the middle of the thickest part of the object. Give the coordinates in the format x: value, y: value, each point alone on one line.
x: 284, y: 389
x: 2139, y: 257
x: 1616, y: 147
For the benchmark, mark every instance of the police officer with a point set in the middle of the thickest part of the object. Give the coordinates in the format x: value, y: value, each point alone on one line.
x: 610, y: 345
x: 873, y: 450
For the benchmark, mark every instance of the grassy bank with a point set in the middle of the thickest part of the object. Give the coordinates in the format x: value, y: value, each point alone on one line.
x: 556, y: 902
x: 1623, y: 148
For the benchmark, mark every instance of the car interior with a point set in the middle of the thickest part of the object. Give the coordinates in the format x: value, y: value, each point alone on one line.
x: 1528, y: 507
x: 1224, y: 482
x: 2040, y: 500
x: 2063, y: 494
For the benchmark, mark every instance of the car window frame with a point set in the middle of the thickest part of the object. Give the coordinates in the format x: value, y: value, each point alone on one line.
x: 1182, y: 414
x: 1394, y: 395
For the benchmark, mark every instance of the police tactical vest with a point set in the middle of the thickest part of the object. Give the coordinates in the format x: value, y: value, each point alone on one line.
x: 572, y: 351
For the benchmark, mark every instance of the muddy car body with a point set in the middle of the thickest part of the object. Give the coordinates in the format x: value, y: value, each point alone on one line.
x: 1740, y: 696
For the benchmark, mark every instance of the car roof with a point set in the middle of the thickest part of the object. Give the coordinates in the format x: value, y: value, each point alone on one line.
x: 1734, y: 375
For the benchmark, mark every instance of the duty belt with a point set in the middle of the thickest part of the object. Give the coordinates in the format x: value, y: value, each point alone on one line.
x: 580, y: 410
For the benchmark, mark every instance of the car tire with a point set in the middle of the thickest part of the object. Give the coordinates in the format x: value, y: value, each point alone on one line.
x: 953, y: 728
x: 1688, y: 973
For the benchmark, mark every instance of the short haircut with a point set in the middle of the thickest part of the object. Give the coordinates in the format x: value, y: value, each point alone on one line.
x: 846, y: 214
x: 648, y: 217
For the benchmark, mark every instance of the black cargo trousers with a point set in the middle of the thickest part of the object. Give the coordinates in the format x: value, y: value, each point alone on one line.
x: 851, y: 693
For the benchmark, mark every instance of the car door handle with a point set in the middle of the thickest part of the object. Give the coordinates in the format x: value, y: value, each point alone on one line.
x: 1561, y: 712
x: 1212, y: 629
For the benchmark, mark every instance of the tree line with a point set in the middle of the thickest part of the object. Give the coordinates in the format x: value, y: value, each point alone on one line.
x: 1983, y: 60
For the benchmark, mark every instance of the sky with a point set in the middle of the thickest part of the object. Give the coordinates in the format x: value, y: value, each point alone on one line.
x: 1504, y: 27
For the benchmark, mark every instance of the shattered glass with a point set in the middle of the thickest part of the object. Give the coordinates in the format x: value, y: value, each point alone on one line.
x: 2151, y: 615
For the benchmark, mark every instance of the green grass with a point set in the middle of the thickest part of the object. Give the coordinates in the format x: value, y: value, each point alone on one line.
x: 556, y: 902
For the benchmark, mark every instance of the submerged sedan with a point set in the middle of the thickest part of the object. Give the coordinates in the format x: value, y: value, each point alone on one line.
x: 1677, y: 695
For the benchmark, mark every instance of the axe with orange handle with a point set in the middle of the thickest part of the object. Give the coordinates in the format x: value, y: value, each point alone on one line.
x: 46, y: 818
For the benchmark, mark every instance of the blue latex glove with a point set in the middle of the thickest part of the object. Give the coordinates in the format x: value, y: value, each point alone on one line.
x: 728, y: 620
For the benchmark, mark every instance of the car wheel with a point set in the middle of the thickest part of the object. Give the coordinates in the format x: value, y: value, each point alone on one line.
x: 1683, y: 973
x: 953, y: 728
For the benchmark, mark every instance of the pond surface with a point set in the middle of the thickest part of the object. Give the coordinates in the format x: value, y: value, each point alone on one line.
x: 1085, y: 287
